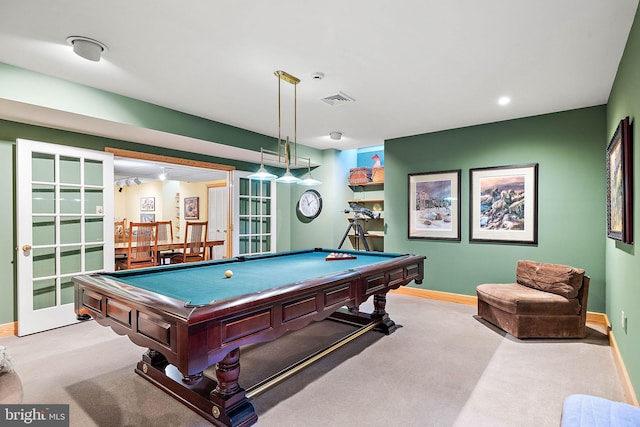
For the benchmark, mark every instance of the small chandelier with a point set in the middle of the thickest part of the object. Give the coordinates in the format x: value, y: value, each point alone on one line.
x: 285, y: 155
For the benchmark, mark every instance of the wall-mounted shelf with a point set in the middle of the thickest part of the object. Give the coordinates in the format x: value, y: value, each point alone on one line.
x: 373, y: 228
x: 380, y: 185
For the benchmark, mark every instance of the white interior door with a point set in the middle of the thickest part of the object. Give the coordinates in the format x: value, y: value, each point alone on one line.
x: 65, y: 228
x: 218, y: 218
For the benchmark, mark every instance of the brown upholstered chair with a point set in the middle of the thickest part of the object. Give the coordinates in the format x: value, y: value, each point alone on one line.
x: 547, y: 301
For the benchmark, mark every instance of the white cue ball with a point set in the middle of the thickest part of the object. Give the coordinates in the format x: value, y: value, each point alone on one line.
x: 228, y: 274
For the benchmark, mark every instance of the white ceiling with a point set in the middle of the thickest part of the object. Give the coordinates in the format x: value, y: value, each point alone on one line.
x: 412, y: 66
x: 126, y: 171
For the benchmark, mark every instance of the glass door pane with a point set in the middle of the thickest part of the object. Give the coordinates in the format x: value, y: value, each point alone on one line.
x: 254, y: 216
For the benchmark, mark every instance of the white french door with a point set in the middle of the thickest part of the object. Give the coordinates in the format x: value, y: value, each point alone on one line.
x: 254, y: 215
x: 65, y: 228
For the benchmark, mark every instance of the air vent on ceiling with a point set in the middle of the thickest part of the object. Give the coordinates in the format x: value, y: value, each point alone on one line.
x: 338, y: 99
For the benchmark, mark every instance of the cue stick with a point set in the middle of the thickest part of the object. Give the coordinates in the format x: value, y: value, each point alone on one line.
x: 271, y: 381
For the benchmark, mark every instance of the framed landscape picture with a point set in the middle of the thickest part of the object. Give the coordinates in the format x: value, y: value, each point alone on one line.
x: 619, y: 185
x: 504, y: 204
x: 434, y: 208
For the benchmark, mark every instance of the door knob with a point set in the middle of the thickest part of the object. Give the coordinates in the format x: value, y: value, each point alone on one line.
x: 26, y: 248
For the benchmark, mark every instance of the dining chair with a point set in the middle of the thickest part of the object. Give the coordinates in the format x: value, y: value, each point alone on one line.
x: 194, y: 243
x: 143, y: 244
x: 120, y: 236
x: 119, y: 230
x: 165, y: 235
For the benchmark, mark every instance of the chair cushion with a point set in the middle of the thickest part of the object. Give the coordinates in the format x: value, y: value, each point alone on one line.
x: 518, y: 299
x: 555, y: 278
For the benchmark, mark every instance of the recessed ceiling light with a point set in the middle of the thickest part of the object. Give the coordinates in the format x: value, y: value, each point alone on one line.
x: 504, y: 100
x: 87, y: 48
x: 335, y: 135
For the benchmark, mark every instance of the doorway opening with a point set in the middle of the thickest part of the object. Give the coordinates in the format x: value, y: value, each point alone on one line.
x: 150, y: 187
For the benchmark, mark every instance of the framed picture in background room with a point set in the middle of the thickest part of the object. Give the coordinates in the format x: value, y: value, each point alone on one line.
x: 191, y: 208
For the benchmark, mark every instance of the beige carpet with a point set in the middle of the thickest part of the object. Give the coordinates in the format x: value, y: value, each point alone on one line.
x: 443, y: 367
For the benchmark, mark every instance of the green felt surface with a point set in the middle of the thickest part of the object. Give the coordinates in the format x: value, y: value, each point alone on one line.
x: 204, y: 283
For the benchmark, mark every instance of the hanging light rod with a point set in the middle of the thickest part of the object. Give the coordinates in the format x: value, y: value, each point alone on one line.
x: 283, y: 75
x: 287, y: 149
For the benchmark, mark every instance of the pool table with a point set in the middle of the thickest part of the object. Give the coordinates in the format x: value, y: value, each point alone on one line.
x: 191, y: 317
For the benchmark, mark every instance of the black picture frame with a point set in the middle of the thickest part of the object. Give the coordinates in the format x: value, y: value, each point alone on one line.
x: 504, y: 204
x: 620, y: 184
x: 434, y: 205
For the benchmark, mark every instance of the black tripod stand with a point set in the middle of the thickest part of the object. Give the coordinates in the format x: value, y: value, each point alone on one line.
x: 358, y: 233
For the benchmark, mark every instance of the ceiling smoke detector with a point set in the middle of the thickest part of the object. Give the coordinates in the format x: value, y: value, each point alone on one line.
x: 338, y: 99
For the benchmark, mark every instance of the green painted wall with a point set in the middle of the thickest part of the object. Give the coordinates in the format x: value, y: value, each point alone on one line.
x: 29, y: 87
x: 8, y: 303
x: 326, y: 229
x: 571, y: 191
x: 622, y: 263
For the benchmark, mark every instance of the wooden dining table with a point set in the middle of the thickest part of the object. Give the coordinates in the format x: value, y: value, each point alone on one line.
x: 121, y: 247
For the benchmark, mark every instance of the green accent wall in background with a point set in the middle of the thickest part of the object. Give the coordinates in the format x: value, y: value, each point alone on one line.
x: 571, y: 197
x: 29, y: 87
x: 622, y: 265
x: 8, y: 304
x: 322, y: 231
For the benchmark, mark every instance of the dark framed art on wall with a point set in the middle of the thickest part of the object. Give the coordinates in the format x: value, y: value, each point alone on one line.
x: 619, y: 184
x: 191, y: 208
x: 504, y: 204
x: 434, y: 205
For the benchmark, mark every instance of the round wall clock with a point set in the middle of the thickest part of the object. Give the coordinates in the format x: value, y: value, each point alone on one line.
x: 310, y: 204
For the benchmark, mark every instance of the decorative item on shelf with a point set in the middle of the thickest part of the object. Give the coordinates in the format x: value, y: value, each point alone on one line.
x: 359, y: 176
x: 284, y: 155
x: 377, y: 175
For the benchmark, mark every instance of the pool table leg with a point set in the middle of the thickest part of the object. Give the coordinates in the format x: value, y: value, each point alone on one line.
x: 386, y: 325
x: 223, y: 403
x: 379, y: 315
x: 228, y: 392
